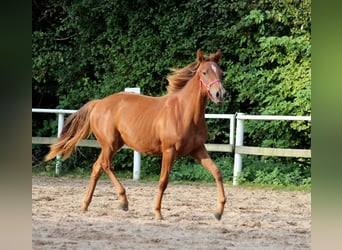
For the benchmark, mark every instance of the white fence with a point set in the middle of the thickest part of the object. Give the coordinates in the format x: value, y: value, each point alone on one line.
x: 240, y: 149
x: 235, y: 147
x: 137, y: 158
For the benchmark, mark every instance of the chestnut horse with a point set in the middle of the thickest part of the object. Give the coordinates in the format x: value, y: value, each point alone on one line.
x: 172, y: 125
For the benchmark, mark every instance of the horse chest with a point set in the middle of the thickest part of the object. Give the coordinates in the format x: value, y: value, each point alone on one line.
x: 189, y: 140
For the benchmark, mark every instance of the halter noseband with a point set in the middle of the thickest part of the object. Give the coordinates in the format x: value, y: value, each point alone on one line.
x: 208, y: 86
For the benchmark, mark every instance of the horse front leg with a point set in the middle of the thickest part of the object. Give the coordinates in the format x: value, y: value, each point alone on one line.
x: 202, y: 156
x: 168, y: 158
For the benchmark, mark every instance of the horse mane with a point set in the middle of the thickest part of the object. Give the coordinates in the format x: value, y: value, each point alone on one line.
x: 178, y: 78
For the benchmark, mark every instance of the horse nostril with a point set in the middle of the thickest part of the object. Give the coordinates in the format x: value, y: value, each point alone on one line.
x: 224, y: 94
x: 217, y: 94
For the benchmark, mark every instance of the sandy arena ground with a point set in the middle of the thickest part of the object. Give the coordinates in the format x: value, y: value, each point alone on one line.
x: 253, y: 218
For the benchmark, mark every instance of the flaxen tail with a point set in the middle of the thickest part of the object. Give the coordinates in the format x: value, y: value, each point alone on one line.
x: 76, y: 128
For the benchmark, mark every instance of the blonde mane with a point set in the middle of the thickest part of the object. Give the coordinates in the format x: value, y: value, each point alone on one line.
x: 178, y: 78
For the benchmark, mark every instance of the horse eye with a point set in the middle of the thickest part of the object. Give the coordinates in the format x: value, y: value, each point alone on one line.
x: 204, y: 73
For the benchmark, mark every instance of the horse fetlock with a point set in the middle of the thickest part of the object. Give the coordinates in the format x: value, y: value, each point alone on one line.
x: 122, y: 192
x: 157, y: 213
x: 223, y: 201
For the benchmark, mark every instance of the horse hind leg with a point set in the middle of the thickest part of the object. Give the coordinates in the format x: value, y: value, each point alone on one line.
x: 103, y: 164
x: 95, y: 175
x: 120, y: 189
x: 106, y: 156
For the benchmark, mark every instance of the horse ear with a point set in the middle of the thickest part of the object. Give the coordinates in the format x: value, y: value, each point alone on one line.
x: 217, y: 56
x: 200, y: 56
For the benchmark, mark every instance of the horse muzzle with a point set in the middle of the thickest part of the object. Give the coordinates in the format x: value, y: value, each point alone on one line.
x: 217, y: 95
x: 216, y: 91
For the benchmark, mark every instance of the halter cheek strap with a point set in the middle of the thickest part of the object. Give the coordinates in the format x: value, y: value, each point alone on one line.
x: 208, y: 86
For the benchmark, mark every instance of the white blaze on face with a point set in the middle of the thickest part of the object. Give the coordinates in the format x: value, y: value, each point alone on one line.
x: 214, y: 68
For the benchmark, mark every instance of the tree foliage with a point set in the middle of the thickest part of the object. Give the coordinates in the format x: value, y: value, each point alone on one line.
x: 84, y: 50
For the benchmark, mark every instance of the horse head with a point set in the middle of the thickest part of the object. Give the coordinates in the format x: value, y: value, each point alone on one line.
x: 210, y: 75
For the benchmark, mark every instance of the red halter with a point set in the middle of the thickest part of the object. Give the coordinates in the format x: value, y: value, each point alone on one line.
x: 208, y: 86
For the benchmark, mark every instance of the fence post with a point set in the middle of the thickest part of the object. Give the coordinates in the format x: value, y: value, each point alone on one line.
x: 59, y: 131
x: 231, y: 130
x: 136, y: 155
x: 238, y: 142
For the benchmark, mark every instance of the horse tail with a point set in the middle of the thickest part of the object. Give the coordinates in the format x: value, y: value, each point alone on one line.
x: 76, y: 128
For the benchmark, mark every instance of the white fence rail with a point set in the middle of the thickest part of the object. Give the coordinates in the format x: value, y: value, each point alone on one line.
x: 240, y: 149
x: 235, y: 147
x: 137, y: 157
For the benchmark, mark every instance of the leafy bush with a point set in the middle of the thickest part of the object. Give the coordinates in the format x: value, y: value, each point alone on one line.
x: 187, y: 169
x: 273, y: 171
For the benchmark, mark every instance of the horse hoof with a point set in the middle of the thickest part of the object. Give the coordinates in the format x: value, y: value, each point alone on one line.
x: 83, y: 210
x: 124, y: 207
x: 158, y: 216
x: 217, y: 216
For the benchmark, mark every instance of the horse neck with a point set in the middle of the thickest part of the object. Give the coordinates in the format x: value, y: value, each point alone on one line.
x: 194, y: 100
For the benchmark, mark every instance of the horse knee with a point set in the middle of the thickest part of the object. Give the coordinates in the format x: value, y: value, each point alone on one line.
x: 107, y: 168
